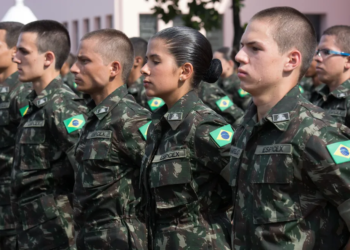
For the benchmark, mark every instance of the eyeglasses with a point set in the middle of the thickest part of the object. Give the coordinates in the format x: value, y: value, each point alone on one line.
x: 326, y: 52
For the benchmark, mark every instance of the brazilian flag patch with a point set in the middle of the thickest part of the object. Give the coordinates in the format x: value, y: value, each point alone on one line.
x: 75, y: 85
x: 224, y: 103
x: 74, y: 123
x: 242, y: 93
x: 143, y: 130
x: 155, y: 103
x: 222, y: 136
x: 24, y: 110
x: 340, y: 151
x: 301, y: 89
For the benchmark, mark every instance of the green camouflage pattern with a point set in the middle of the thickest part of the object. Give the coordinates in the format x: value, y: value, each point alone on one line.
x: 69, y: 80
x: 315, y: 95
x: 138, y: 91
x: 286, y: 186
x: 42, y: 177
x: 210, y: 94
x: 307, y: 85
x: 12, y: 98
x: 232, y: 86
x: 184, y: 179
x: 107, y: 193
x: 336, y: 103
x: 8, y: 242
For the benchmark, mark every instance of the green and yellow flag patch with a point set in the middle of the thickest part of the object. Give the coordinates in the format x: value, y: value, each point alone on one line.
x: 340, y: 151
x: 242, y: 93
x: 155, y: 103
x: 222, y: 136
x: 143, y: 130
x: 301, y: 89
x: 75, y: 85
x: 224, y: 103
x: 74, y: 123
x: 24, y: 110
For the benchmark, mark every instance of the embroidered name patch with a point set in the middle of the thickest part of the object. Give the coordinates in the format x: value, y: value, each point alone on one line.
x: 334, y: 112
x: 34, y: 124
x: 170, y: 155
x: 235, y: 152
x: 4, y: 105
x: 103, y: 134
x: 274, y: 149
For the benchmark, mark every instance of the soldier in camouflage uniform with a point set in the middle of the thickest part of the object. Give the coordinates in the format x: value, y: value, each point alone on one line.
x: 110, y: 149
x: 42, y: 177
x: 229, y: 81
x: 289, y: 166
x: 310, y: 82
x: 12, y: 105
x: 183, y: 178
x: 333, y: 69
x: 216, y: 99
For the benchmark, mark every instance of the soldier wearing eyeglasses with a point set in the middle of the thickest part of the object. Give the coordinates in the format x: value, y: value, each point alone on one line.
x: 333, y: 69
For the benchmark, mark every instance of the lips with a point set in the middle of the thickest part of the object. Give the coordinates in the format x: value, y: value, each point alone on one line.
x: 242, y: 73
x: 146, y: 83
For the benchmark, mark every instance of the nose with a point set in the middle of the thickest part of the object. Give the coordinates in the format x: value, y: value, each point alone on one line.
x: 145, y: 70
x: 15, y: 58
x: 241, y: 57
x: 318, y: 57
x: 74, y: 69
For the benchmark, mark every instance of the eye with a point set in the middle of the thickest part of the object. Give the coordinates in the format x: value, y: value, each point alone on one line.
x: 326, y: 52
x: 255, y: 48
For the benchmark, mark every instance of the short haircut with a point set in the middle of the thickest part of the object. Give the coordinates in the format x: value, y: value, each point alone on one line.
x: 342, y: 35
x: 52, y: 36
x: 13, y: 29
x: 140, y: 47
x: 228, y: 54
x: 71, y: 59
x: 114, y: 45
x: 291, y: 29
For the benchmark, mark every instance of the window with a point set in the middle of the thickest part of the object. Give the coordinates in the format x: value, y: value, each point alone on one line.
x: 109, y: 22
x: 148, y: 26
x: 97, y: 23
x: 316, y: 22
x: 75, y: 35
x: 215, y: 37
x: 86, y: 26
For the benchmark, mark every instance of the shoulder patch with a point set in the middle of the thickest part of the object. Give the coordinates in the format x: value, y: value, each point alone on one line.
x: 281, y: 117
x: 340, y: 151
x: 4, y: 90
x: 301, y: 89
x: 155, y: 103
x: 222, y: 136
x: 144, y: 129
x: 101, y: 110
x: 41, y: 101
x: 242, y: 93
x: 75, y: 85
x: 74, y: 123
x: 177, y: 116
x: 224, y: 103
x: 24, y: 110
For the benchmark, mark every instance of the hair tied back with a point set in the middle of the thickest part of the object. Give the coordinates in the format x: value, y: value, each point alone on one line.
x: 214, y: 71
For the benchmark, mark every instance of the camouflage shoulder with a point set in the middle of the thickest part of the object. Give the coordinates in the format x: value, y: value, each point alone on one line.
x: 135, y: 107
x: 318, y: 115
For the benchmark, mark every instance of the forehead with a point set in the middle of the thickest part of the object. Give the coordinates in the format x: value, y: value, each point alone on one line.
x: 260, y: 30
x: 328, y: 41
x: 27, y: 39
x: 218, y: 55
x: 157, y: 46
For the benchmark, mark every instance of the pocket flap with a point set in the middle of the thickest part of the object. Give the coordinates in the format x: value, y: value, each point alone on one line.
x: 38, y: 211
x: 32, y: 135
x: 98, y: 145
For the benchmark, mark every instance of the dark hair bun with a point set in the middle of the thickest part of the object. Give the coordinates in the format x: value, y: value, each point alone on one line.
x: 214, y: 71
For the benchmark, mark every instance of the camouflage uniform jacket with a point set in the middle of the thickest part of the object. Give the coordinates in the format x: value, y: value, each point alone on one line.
x: 186, y: 193
x: 336, y: 103
x: 69, y: 80
x: 315, y: 95
x: 42, y: 175
x: 232, y: 86
x: 12, y: 100
x: 307, y: 87
x: 286, y: 185
x: 216, y: 99
x: 107, y: 192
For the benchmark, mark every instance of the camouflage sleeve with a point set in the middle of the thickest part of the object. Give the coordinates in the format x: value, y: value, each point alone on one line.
x: 134, y: 140
x: 212, y: 152
x: 327, y: 162
x: 19, y: 102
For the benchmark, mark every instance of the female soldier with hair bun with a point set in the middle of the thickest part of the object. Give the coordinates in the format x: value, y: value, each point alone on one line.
x: 184, y: 174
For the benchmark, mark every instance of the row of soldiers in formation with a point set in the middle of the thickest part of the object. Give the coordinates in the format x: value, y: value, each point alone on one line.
x: 192, y: 171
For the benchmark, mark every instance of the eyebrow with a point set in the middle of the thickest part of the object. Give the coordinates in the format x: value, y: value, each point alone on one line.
x: 251, y: 43
x: 153, y: 55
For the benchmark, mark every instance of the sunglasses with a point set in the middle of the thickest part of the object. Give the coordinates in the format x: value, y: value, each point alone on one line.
x: 326, y: 52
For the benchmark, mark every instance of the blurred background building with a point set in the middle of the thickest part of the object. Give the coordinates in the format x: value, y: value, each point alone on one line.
x: 134, y: 17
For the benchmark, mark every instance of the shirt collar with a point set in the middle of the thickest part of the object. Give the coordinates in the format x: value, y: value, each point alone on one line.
x: 102, y: 109
x: 43, y: 98
x: 280, y: 115
x: 177, y: 114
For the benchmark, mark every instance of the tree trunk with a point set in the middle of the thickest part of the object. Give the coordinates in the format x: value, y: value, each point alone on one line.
x: 237, y: 27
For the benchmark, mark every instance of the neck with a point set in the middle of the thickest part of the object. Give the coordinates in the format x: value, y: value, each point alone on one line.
x: 172, y: 98
x: 134, y: 75
x: 316, y: 82
x: 100, y: 95
x: 336, y: 83
x: 6, y: 73
x: 41, y: 83
x: 266, y: 101
x: 228, y: 73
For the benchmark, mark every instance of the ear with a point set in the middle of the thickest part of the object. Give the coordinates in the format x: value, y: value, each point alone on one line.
x: 115, y: 69
x: 138, y: 60
x: 293, y: 60
x: 13, y: 51
x: 347, y: 63
x: 231, y: 63
x: 49, y: 59
x: 186, y: 72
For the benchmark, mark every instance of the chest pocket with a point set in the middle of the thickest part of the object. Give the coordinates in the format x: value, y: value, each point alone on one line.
x: 275, y: 195
x: 170, y: 178
x: 34, y: 150
x: 97, y: 150
x: 4, y: 114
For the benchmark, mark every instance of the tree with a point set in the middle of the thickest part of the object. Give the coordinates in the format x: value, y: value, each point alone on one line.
x: 201, y: 15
